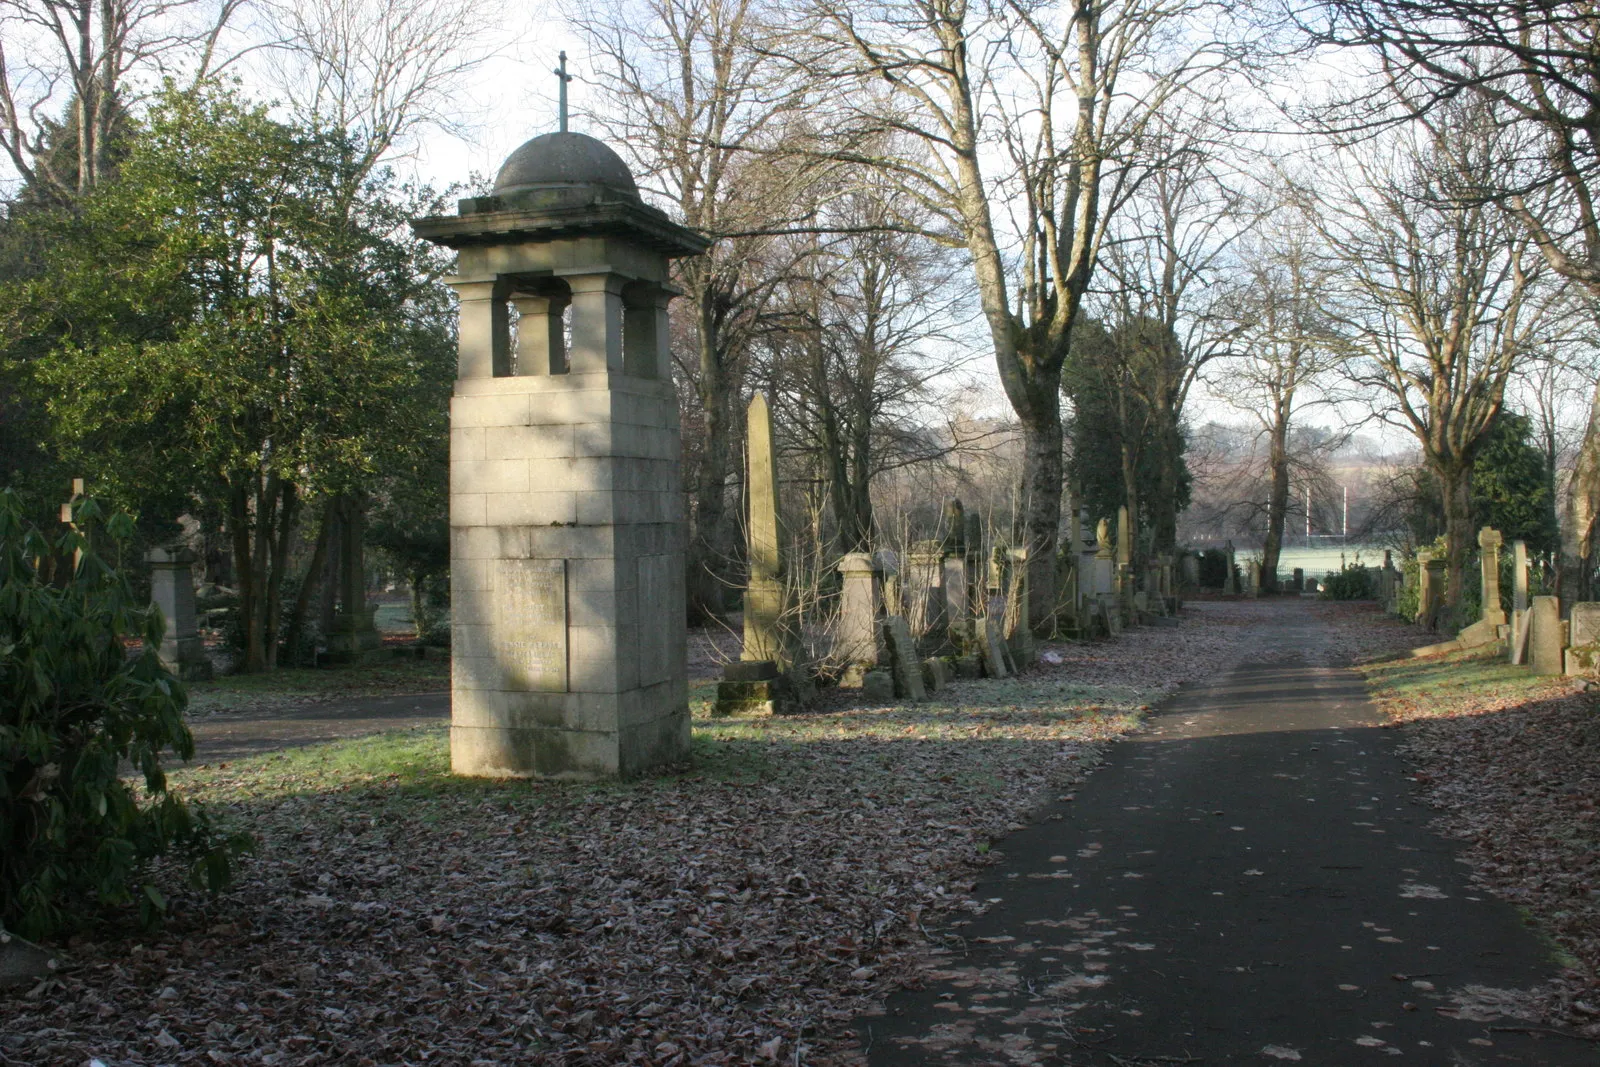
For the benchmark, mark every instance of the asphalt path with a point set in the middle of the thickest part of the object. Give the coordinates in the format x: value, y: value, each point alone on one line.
x: 1247, y: 881
x: 226, y: 736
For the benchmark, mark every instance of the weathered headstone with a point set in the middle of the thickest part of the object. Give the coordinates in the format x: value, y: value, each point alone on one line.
x: 858, y: 644
x: 935, y: 674
x: 877, y: 687
x: 904, y: 666
x: 923, y: 589
x: 991, y: 646
x: 958, y: 606
x: 1253, y: 577
x: 1191, y: 571
x: 1583, y: 643
x: 1545, y: 635
x: 567, y: 534
x: 172, y: 590
x: 1230, y: 578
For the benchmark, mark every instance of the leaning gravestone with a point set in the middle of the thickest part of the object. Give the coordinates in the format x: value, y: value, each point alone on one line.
x: 992, y: 647
x: 904, y: 666
x: 567, y: 528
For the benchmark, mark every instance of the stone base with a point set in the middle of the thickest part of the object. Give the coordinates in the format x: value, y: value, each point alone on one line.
x: 773, y: 696
x: 186, y: 657
x: 1583, y: 661
x: 1483, y: 632
x: 878, y: 687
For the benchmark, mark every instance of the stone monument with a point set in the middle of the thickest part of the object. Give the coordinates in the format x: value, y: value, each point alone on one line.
x: 1486, y: 630
x: 1546, y: 636
x: 172, y: 590
x: 859, y: 644
x: 354, y: 634
x: 764, y: 679
x: 567, y: 532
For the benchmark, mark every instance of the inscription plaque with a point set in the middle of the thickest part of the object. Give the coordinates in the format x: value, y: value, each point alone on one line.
x: 530, y: 624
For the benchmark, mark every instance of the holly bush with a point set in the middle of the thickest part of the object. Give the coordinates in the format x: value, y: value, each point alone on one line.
x: 78, y: 707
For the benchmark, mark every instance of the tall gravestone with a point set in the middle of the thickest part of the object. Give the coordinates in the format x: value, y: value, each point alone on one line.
x: 567, y: 532
x: 172, y: 590
x: 1489, y: 542
x: 1230, y: 580
x: 1546, y: 637
x: 1519, y: 601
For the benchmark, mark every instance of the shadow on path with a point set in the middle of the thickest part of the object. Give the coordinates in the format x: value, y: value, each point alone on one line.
x: 1247, y: 881
x: 230, y: 738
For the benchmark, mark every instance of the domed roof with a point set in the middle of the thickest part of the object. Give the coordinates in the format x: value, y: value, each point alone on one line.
x: 564, y: 159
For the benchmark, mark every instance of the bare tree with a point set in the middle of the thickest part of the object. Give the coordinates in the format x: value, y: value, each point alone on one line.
x: 380, y: 69
x: 715, y: 128
x: 1439, y: 293
x: 1284, y: 345
x: 1537, y: 65
x: 866, y: 328
x: 1166, y: 255
x: 1020, y: 122
x: 65, y: 72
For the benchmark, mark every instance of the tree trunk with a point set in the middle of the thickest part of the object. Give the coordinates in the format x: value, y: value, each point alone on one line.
x: 1277, y: 500
x: 708, y: 555
x: 308, y: 584
x: 1455, y: 486
x: 1041, y: 507
x: 244, y: 574
x: 1575, y: 579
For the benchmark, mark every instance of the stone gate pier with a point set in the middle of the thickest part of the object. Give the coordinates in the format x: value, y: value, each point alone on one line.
x: 567, y: 532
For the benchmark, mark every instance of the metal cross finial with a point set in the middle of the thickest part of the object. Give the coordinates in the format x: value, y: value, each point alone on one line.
x: 561, y: 73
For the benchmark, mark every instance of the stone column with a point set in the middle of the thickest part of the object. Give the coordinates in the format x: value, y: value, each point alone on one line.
x: 172, y: 590
x: 1430, y: 590
x: 1519, y: 601
x: 484, y: 334
x: 858, y: 644
x: 596, y: 323
x: 541, y: 338
x: 1105, y: 561
x: 1489, y: 542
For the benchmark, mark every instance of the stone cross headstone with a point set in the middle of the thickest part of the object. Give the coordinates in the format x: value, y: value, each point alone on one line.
x: 858, y: 644
x: 567, y: 526
x: 1519, y: 601
x: 1545, y: 644
x: 1489, y: 542
x: 172, y: 590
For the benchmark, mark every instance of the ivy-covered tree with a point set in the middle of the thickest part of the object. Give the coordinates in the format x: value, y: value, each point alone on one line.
x: 1511, y: 488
